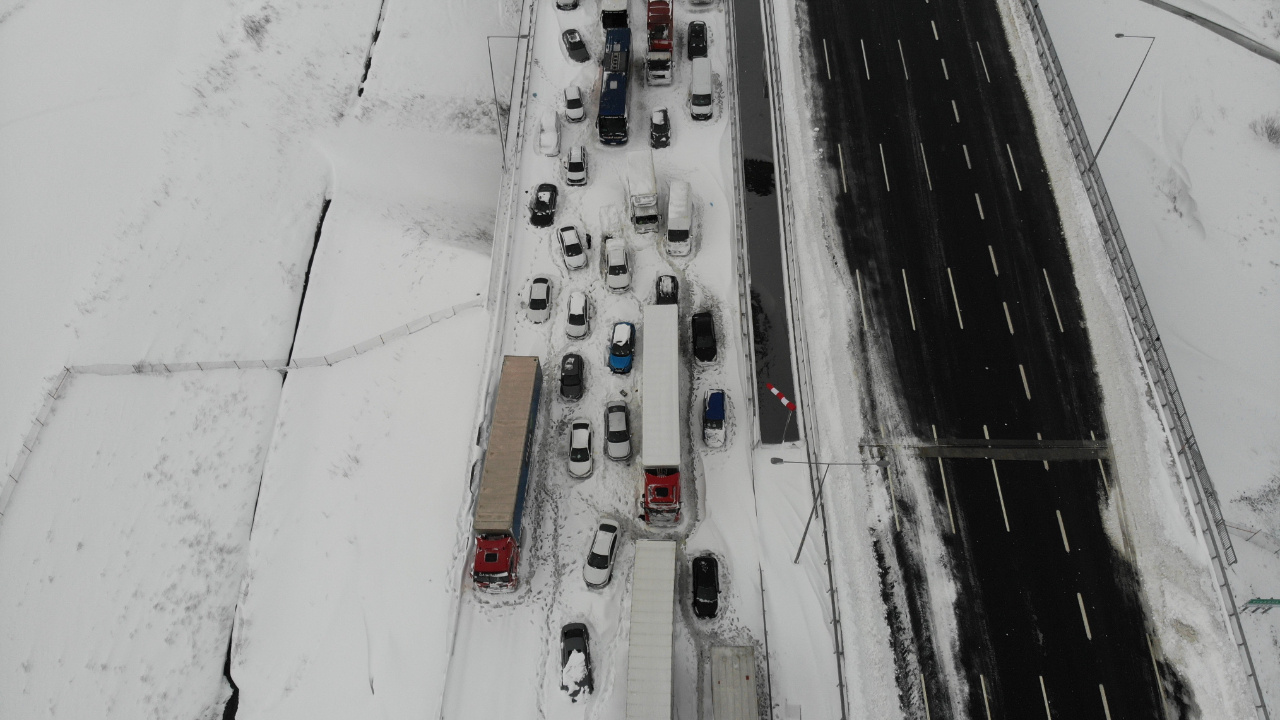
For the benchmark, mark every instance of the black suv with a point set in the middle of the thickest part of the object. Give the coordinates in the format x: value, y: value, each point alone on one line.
x: 706, y: 586
x: 704, y: 337
x: 542, y: 211
x: 668, y: 290
x: 659, y: 129
x: 575, y: 637
x: 697, y: 39
x: 574, y: 45
x: 571, y: 380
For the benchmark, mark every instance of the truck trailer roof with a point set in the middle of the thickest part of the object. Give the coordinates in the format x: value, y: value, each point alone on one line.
x: 733, y: 683
x: 660, y: 387
x: 514, y: 414
x: 653, y: 591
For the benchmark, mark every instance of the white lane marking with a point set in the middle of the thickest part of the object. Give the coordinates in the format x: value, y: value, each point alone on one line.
x: 1101, y: 468
x: 904, y: 60
x: 985, y: 703
x: 981, y: 215
x: 1025, y: 387
x: 826, y: 57
x: 864, y: 58
x: 935, y: 29
x: 924, y: 690
x: 1085, y: 617
x: 907, y: 287
x: 945, y: 76
x: 1046, y: 469
x: 1000, y: 492
x: 955, y: 110
x: 1014, y: 165
x: 1063, y: 529
x: 985, y: 433
x: 1156, y: 669
x: 967, y: 163
x: 955, y: 299
x: 840, y: 152
x: 1007, y: 318
x: 861, y: 303
x: 884, y: 167
x: 1105, y: 707
x: 1044, y: 693
x: 995, y: 268
x: 893, y: 497
x: 927, y: 178
x: 984, y: 61
x: 945, y: 492
x: 1052, y: 299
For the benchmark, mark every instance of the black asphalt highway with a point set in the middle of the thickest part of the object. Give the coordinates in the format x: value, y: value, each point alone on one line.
x: 949, y: 221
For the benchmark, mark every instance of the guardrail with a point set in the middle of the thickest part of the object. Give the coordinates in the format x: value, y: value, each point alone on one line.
x: 799, y: 338
x: 1143, y: 326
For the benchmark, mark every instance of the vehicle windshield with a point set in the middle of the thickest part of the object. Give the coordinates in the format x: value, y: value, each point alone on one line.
x: 577, y: 319
x: 617, y: 266
x: 579, y: 454
x: 701, y: 100
x: 576, y: 167
x: 613, y: 125
x: 713, y: 424
x: 573, y: 103
x: 538, y: 303
x: 617, y: 436
x: 598, y: 561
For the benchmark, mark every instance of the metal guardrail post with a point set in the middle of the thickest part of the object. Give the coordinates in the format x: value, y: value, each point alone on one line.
x: 1143, y: 326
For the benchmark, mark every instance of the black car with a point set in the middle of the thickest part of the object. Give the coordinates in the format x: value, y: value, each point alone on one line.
x: 571, y: 379
x: 706, y: 586
x: 668, y: 290
x: 575, y: 638
x: 659, y: 129
x: 542, y: 211
x: 704, y: 337
x: 566, y: 4
x: 697, y: 39
x: 574, y: 45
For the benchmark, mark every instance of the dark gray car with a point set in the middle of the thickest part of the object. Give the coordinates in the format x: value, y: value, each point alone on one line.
x: 575, y: 637
x: 697, y: 39
x: 574, y: 45
x: 571, y: 377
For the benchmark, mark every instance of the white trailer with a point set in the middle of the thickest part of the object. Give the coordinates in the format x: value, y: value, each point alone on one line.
x: 733, y: 683
x: 660, y: 414
x: 642, y: 191
x: 653, y: 593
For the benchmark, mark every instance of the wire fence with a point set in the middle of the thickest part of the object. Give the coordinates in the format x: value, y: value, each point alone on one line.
x: 1143, y: 324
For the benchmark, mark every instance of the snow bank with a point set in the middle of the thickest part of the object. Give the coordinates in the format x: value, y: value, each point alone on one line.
x: 348, y: 605
x: 124, y: 545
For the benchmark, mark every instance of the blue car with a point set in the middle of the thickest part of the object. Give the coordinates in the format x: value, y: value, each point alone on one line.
x: 622, y: 347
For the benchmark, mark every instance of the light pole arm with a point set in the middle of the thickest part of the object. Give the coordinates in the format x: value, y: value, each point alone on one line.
x: 1122, y: 101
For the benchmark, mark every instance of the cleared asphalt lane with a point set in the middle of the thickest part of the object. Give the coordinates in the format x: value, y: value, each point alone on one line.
x: 951, y: 224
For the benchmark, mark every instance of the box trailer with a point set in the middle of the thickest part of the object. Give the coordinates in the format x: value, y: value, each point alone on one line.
x: 660, y: 414
x: 504, y: 480
x: 649, y: 649
x: 733, y: 683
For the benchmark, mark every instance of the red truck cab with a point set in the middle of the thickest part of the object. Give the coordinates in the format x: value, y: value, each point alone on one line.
x: 662, y: 496
x: 497, y: 557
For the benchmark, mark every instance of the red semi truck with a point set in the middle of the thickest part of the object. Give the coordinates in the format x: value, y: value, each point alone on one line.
x: 660, y: 418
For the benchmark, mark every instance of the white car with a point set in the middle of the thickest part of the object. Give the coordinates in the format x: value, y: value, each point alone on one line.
x: 572, y: 248
x: 549, y: 135
x: 579, y: 324
x: 540, y: 300
x: 617, y: 431
x: 580, y: 464
x: 575, y: 166
x: 574, y: 110
x: 618, y: 269
x: 599, y: 568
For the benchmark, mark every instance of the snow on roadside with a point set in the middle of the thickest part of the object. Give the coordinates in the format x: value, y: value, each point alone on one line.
x: 347, y: 609
x: 125, y: 543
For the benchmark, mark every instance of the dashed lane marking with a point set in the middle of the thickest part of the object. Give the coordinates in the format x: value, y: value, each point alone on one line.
x: 826, y: 57
x: 884, y: 167
x: 955, y: 299
x: 1025, y: 387
x: 984, y: 61
x: 907, y: 288
x: 923, y: 157
x: 1084, y: 617
x: 985, y: 703
x: 945, y: 492
x: 995, y: 268
x: 1000, y: 492
x: 1063, y: 529
x: 1046, y: 462
x: 1101, y: 468
x: 981, y: 215
x: 1052, y: 299
x: 935, y: 29
x: 955, y: 110
x: 865, y: 66
x: 1007, y: 318
x: 1105, y: 707
x: 1014, y: 165
x: 1045, y: 694
x: 945, y: 76
x: 967, y: 163
x: 902, y: 55
x: 843, y: 183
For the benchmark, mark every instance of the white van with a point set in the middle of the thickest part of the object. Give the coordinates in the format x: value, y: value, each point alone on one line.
x: 700, y: 107
x: 679, y: 218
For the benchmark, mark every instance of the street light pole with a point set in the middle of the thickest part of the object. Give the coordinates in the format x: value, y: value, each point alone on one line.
x: 881, y: 463
x: 1126, y: 94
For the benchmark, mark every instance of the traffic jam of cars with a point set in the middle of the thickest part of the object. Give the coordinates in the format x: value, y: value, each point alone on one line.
x: 624, y: 349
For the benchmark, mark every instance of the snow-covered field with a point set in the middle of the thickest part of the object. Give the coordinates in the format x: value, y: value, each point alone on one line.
x: 1197, y: 188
